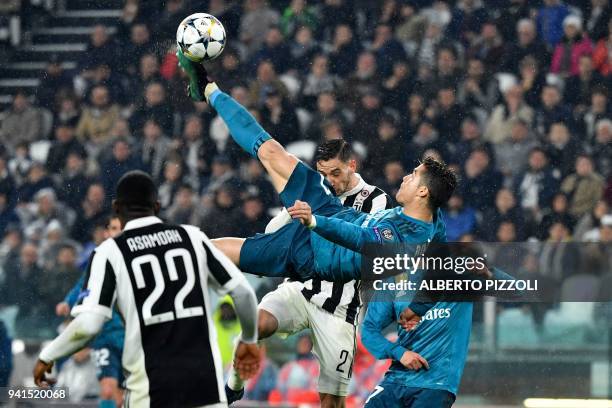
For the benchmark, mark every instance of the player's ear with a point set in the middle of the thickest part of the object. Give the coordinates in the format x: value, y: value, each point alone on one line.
x: 423, y: 191
x: 352, y: 165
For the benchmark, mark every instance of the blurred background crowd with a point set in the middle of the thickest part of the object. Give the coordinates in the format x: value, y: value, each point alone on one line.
x: 514, y: 94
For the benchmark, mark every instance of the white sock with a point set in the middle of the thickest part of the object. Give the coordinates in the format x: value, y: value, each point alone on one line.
x: 234, y: 382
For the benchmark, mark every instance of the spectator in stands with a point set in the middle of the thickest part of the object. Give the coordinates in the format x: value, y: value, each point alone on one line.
x: 602, y: 57
x: 426, y: 137
x: 448, y: 114
x: 298, y: 14
x: 579, y: 87
x: 297, y: 378
x: 387, y: 145
x: 552, y: 110
x: 587, y: 227
x: 155, y: 106
x: 471, y: 138
x: 252, y: 215
x: 468, y: 17
x: 512, y: 155
x: 275, y: 50
x: 488, y: 47
x: 598, y: 19
x: 506, y: 209
x: 481, y: 180
x: 266, y: 79
x: 59, y: 277
x: 65, y: 143
x: 148, y: 71
x: 101, y: 49
x: 19, y: 165
x: 561, y: 148
x: 476, y: 91
x: 66, y: 111
x: 317, y: 81
x: 499, y: 126
x: 22, y: 281
x: 72, y: 182
x: 53, y: 81
x: 139, y: 45
x: 602, y: 147
x: 536, y: 186
x: 572, y: 46
x: 584, y: 188
x: 327, y: 109
x: 93, y: 210
x: 8, y: 215
x: 221, y: 173
x: 173, y: 13
x: 344, y: 51
x: 459, y: 219
x: 304, y: 47
x: 184, y: 209
x: 97, y: 119
x: 368, y: 116
x: 532, y: 80
x: 256, y: 183
x: 597, y: 111
x: 279, y: 118
x: 257, y: 19
x: 37, y: 180
x: 527, y: 44
x: 120, y: 162
x: 550, y: 21
x: 393, y: 176
x: 221, y: 220
x: 364, y: 79
x: 21, y: 123
x: 559, y: 210
x: 154, y: 148
x: 388, y: 50
x: 197, y: 151
x: 398, y: 86
x: 558, y: 257
x: 173, y: 178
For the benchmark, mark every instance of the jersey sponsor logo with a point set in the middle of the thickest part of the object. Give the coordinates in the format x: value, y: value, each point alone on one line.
x: 438, y: 313
x: 154, y: 240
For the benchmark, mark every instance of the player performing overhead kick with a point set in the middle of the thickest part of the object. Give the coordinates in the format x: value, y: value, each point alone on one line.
x: 333, y: 252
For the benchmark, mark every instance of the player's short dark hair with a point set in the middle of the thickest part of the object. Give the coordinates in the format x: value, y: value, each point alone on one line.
x: 439, y: 180
x: 136, y: 192
x: 332, y: 149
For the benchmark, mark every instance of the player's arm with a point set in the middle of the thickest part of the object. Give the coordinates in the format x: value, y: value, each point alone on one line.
x: 351, y: 236
x: 378, y: 316
x: 227, y: 278
x: 92, y: 310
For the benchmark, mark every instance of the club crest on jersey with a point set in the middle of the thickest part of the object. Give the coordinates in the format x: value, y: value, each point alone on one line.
x: 387, y: 234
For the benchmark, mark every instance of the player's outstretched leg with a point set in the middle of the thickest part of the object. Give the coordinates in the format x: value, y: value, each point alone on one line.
x: 243, y: 127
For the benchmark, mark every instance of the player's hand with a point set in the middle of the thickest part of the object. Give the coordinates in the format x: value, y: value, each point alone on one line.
x: 40, y: 370
x: 200, y: 84
x: 62, y: 309
x: 408, y: 319
x: 301, y: 211
x: 247, y: 359
x: 414, y: 361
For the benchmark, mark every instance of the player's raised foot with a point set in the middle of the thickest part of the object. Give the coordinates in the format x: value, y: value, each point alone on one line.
x: 233, y: 396
x: 198, y: 77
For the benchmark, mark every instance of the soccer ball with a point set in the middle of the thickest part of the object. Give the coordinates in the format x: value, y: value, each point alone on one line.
x: 201, y: 37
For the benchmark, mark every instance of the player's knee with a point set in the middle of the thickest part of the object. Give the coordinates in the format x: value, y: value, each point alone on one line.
x: 267, y: 324
x: 271, y: 150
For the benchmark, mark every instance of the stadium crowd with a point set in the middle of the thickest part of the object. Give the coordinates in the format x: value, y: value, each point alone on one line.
x: 515, y: 94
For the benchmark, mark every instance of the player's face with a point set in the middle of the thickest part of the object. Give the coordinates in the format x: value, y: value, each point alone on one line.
x: 337, y: 173
x: 411, y: 186
x: 114, y: 228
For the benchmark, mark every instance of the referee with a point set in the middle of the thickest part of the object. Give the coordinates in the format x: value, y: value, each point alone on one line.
x: 158, y: 275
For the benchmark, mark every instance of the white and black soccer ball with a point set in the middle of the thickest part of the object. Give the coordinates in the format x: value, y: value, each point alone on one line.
x: 201, y: 37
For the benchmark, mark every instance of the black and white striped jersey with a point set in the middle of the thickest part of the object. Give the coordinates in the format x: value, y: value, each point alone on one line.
x: 342, y: 299
x: 158, y: 275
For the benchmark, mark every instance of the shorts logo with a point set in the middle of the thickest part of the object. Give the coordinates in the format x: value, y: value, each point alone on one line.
x: 364, y: 193
x: 387, y: 234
